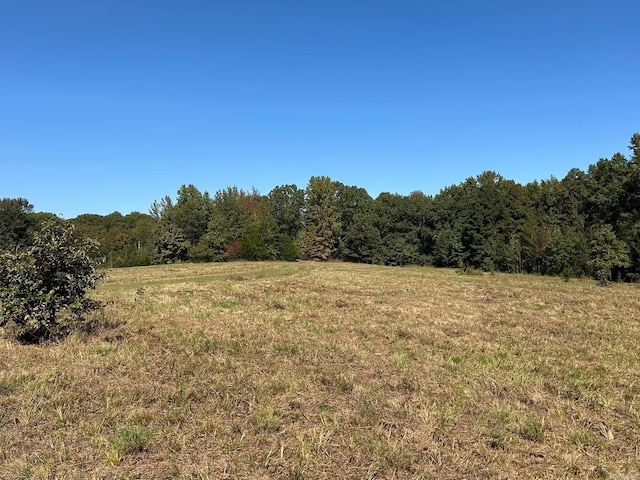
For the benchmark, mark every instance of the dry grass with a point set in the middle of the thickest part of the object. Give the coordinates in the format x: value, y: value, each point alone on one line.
x: 322, y: 371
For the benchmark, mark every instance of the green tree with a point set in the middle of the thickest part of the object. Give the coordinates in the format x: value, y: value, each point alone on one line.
x: 229, y: 215
x: 479, y: 223
x: 211, y: 247
x: 15, y: 222
x: 259, y: 240
x: 161, y: 210
x: 181, y: 226
x: 254, y: 243
x: 171, y: 246
x: 125, y: 240
x: 534, y: 231
x: 191, y: 213
x: 358, y: 237
x: 322, y: 219
x: 404, y: 226
x: 43, y: 289
x: 607, y: 180
x: 567, y: 251
x: 287, y: 208
x: 493, y: 216
x: 361, y: 241
x: 554, y: 228
x: 606, y: 252
x: 627, y: 226
x: 448, y: 250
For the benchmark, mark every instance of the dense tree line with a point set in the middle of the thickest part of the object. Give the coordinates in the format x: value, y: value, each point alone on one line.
x: 587, y: 223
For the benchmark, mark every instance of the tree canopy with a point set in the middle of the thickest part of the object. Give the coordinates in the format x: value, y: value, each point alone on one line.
x: 587, y: 223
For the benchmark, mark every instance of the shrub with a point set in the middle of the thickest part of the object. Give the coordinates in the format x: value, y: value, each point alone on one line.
x: 488, y: 265
x: 234, y: 250
x: 43, y: 289
x: 203, y: 253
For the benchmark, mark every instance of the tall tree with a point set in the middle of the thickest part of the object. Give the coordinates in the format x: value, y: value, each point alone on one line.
x: 229, y: 218
x: 421, y: 208
x: 607, y: 187
x: 171, y: 246
x: 478, y: 223
x: 607, y: 252
x: 15, y: 222
x: 161, y: 210
x: 287, y: 208
x: 322, y: 219
x: 258, y: 241
x: 447, y: 220
x: 358, y: 239
x: 399, y: 230
x: 191, y: 213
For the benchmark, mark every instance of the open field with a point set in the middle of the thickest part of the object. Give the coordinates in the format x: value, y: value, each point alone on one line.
x: 321, y: 371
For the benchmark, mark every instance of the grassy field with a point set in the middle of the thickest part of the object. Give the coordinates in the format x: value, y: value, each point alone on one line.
x: 322, y: 371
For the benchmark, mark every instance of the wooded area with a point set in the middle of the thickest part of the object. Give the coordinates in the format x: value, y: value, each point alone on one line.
x: 587, y: 223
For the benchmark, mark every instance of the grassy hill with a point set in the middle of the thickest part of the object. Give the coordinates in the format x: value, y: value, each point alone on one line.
x: 331, y: 370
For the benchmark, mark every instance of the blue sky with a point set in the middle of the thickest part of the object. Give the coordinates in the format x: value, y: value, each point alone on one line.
x: 107, y: 105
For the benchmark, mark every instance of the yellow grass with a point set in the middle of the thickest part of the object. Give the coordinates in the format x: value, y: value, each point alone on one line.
x: 321, y: 371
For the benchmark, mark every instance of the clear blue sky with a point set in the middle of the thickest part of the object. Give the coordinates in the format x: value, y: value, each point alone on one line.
x: 109, y: 104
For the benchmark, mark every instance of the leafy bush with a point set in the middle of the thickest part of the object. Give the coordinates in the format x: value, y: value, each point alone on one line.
x: 43, y: 289
x: 488, y: 265
x: 566, y: 274
x: 203, y: 253
x: 234, y: 250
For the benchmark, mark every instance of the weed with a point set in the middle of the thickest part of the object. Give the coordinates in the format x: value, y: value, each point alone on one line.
x: 448, y: 415
x: 531, y: 429
x: 584, y: 438
x: 225, y: 304
x: 287, y: 350
x: 267, y: 419
x: 128, y: 440
x: 403, y: 356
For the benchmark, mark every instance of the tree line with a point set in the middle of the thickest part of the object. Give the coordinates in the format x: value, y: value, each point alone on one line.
x: 586, y: 224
